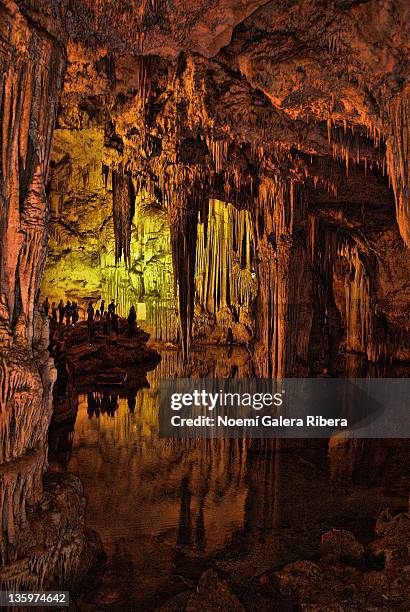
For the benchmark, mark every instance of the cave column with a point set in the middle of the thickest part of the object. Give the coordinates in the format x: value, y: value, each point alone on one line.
x: 397, y: 129
x: 284, y: 311
x: 32, y: 69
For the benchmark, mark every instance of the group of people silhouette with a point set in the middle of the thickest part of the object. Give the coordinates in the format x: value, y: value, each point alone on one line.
x: 60, y: 312
x: 97, y: 318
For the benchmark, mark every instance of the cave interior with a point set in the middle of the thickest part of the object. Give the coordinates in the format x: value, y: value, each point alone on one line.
x: 238, y: 170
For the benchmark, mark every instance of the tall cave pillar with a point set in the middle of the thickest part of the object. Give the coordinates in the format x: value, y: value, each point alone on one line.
x: 326, y: 328
x: 284, y: 305
x: 32, y: 69
x: 397, y: 128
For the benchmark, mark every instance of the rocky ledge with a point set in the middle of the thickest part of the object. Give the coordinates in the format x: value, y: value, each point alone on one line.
x: 86, y: 359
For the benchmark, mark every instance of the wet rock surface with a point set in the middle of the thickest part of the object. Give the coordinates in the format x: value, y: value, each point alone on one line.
x: 212, y: 593
x: 344, y: 575
x: 54, y: 547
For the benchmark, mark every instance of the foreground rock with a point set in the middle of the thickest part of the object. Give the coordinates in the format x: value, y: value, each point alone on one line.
x: 343, y: 576
x: 338, y: 544
x: 213, y: 594
x: 349, y: 576
x: 55, y: 549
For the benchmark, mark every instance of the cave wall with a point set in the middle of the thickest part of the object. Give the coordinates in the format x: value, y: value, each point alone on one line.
x: 293, y: 112
x: 82, y: 263
x: 34, y: 550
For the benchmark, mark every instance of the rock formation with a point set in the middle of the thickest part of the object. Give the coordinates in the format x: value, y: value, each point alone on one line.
x: 34, y: 550
x: 292, y: 115
x: 296, y: 113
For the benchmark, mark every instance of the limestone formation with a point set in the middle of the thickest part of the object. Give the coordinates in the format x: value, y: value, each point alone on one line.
x: 239, y: 171
x: 294, y: 112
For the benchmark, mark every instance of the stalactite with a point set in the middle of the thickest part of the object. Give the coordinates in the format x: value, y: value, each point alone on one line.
x: 183, y: 227
x: 183, y: 189
x: 133, y: 17
x: 326, y: 175
x: 364, y: 331
x: 349, y: 147
x: 123, y: 197
x: 225, y: 259
x: 143, y: 79
x: 398, y: 158
x: 219, y: 152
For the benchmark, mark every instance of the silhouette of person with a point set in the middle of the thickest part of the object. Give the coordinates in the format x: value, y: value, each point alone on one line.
x: 74, y: 310
x: 90, y: 321
x: 46, y: 306
x: 104, y: 319
x: 132, y: 319
x: 61, y: 311
x: 111, y: 308
x: 54, y: 311
x: 115, y: 324
x: 67, y: 313
x: 97, y: 320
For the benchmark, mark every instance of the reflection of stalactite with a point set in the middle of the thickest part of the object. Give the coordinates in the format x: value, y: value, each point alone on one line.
x: 185, y: 520
x: 123, y: 196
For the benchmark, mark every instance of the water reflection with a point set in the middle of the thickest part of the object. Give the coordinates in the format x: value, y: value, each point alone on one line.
x: 101, y: 403
x: 166, y: 509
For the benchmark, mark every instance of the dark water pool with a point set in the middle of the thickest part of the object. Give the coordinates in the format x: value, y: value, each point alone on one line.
x: 166, y: 510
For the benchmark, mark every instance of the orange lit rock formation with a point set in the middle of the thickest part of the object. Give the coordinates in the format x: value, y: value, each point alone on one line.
x: 295, y: 111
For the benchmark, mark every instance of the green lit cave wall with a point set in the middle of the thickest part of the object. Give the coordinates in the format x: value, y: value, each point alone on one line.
x: 81, y: 261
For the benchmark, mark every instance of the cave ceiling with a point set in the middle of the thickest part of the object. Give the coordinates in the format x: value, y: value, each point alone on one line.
x: 263, y: 86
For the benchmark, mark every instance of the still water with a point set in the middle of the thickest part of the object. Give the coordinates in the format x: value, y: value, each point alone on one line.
x: 166, y: 510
